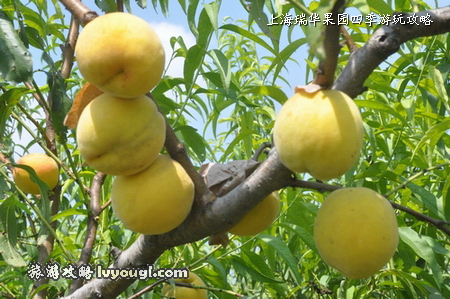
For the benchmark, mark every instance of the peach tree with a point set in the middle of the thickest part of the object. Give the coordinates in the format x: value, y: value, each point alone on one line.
x: 391, y: 57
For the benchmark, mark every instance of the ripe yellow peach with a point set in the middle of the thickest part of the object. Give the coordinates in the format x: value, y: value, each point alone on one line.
x: 45, y: 167
x: 259, y: 218
x: 184, y: 292
x: 120, y: 54
x: 319, y: 133
x: 120, y: 136
x: 155, y: 200
x: 356, y: 231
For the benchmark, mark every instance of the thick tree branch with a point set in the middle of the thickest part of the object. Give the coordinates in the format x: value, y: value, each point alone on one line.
x: 205, y: 220
x: 327, y: 67
x: 385, y: 42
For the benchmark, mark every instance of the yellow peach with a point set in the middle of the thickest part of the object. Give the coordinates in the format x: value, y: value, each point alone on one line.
x: 319, y: 133
x: 120, y: 136
x: 184, y: 292
x: 120, y: 54
x: 155, y: 200
x: 356, y: 231
x: 45, y: 167
x: 259, y: 218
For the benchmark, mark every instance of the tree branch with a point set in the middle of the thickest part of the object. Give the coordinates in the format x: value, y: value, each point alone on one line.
x: 321, y: 187
x: 385, y: 42
x: 68, y: 49
x: 204, y: 220
x: 352, y: 47
x: 47, y: 247
x: 6, y: 161
x: 439, y: 224
x: 80, y: 11
x: 91, y: 231
x: 327, y: 67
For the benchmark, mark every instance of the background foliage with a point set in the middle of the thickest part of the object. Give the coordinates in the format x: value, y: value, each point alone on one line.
x: 223, y: 108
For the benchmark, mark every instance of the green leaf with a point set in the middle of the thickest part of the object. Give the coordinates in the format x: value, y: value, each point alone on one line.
x: 285, y: 55
x: 261, y: 264
x: 33, y: 176
x: 45, y: 202
x: 34, y: 38
x: 212, y: 9
x: 193, y: 60
x: 438, y: 82
x: 8, y: 100
x: 3, y: 187
x: 166, y: 84
x: 60, y: 103
x: 446, y: 198
x: 142, y: 3
x: 285, y: 253
x: 224, y: 67
x: 422, y: 249
x: 380, y: 107
x: 379, y: 7
x: 428, y: 199
x: 257, y: 12
x: 305, y: 235
x: 362, y: 6
x: 106, y: 5
x: 16, y: 64
x: 249, y: 35
x: 246, y: 268
x: 272, y: 91
x: 191, y: 12
x: 204, y: 28
x: 214, y: 78
x: 69, y: 212
x: 215, y: 263
x: 193, y: 140
x: 10, y: 254
x: 433, y: 134
x: 8, y: 219
x: 236, y: 140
